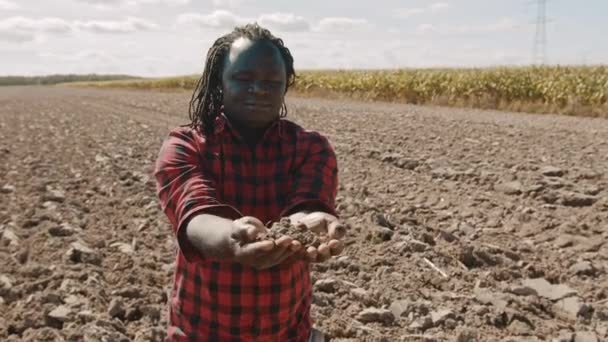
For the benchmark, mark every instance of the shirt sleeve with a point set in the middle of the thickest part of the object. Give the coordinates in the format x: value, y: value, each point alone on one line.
x: 185, y: 188
x: 315, y: 183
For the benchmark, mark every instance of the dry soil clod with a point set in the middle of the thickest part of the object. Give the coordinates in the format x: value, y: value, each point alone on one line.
x: 298, y: 232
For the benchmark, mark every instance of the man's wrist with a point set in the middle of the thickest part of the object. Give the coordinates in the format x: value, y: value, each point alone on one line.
x: 211, y: 235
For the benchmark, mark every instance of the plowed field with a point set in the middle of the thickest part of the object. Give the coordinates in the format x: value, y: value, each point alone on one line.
x: 466, y: 225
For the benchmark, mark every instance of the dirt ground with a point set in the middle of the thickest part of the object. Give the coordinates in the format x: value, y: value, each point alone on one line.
x: 466, y: 225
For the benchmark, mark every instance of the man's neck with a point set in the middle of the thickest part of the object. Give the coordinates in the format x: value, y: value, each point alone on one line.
x: 251, y: 135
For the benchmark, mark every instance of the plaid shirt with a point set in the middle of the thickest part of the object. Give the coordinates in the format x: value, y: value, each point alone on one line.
x: 215, y: 300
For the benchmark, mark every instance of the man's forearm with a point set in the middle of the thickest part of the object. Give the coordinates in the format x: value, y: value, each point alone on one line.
x: 210, y: 235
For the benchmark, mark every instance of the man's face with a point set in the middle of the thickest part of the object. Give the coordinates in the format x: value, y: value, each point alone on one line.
x: 253, y: 83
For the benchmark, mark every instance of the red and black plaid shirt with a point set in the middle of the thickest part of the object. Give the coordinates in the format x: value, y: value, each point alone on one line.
x: 215, y: 300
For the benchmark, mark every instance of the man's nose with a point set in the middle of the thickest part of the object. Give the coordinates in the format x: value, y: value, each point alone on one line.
x: 259, y: 88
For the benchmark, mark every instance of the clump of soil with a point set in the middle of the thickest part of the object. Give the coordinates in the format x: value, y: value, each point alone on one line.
x: 297, y: 232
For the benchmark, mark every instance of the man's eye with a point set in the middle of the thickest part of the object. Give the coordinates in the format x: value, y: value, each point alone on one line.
x: 273, y: 83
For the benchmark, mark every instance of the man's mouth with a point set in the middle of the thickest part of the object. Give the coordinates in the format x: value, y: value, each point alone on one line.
x: 257, y: 105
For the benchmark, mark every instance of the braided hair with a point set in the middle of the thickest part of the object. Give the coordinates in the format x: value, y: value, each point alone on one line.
x: 207, y: 99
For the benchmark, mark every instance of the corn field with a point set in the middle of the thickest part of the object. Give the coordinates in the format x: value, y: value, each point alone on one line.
x: 557, y: 89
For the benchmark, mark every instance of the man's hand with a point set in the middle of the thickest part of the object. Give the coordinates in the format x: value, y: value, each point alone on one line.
x: 258, y: 254
x: 322, y: 223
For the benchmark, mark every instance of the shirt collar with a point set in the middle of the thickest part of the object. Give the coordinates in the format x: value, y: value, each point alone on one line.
x: 222, y: 123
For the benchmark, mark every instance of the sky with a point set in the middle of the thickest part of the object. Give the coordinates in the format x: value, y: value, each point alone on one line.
x: 171, y: 37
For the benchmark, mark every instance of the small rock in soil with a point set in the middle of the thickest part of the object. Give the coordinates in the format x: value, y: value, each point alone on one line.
x: 328, y: 285
x: 523, y: 291
x: 509, y: 188
x: 7, y: 189
x: 490, y: 298
x: 116, y: 308
x: 61, y: 313
x: 381, y: 220
x: 5, y: 283
x: 128, y: 292
x: 371, y: 315
x: 363, y: 296
x: 400, y: 308
x: 583, y: 268
x: 79, y: 252
x: 572, y: 308
x: 152, y: 311
x: 322, y: 299
x: 42, y: 334
x: 602, y: 314
x: 551, y: 171
x: 564, y: 337
x: 548, y: 290
x: 440, y: 316
x: 100, y: 331
x: 125, y: 248
x: 469, y: 257
x: 133, y: 313
x: 447, y: 236
x: 74, y: 300
x: 519, y: 328
x: 565, y: 241
x: 414, y: 245
x: 54, y: 196
x: 62, y: 230
x: 385, y: 234
x: 422, y: 324
x: 9, y: 238
x: 52, y: 298
x: 574, y: 199
x: 585, y: 336
x: 467, y: 336
x: 150, y: 334
x: 86, y: 316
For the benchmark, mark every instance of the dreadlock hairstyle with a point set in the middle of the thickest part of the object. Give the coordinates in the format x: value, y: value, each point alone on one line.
x: 207, y: 99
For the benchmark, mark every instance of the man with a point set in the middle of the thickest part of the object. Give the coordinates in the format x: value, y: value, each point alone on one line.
x: 236, y: 165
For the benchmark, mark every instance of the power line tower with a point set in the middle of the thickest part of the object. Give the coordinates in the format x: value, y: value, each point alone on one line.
x: 540, y: 40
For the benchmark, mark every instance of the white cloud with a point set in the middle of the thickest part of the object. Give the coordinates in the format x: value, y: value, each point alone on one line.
x: 88, y: 55
x: 131, y: 24
x: 341, y: 24
x: 284, y: 22
x: 426, y: 28
x: 101, y: 2
x: 439, y: 6
x: 217, y: 19
x: 408, y: 12
x: 109, y: 4
x: 162, y: 2
x: 224, y: 19
x: 104, y: 4
x: 21, y: 29
x: 23, y: 24
x: 15, y: 36
x: 502, y: 25
x: 227, y: 3
x: 6, y: 5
